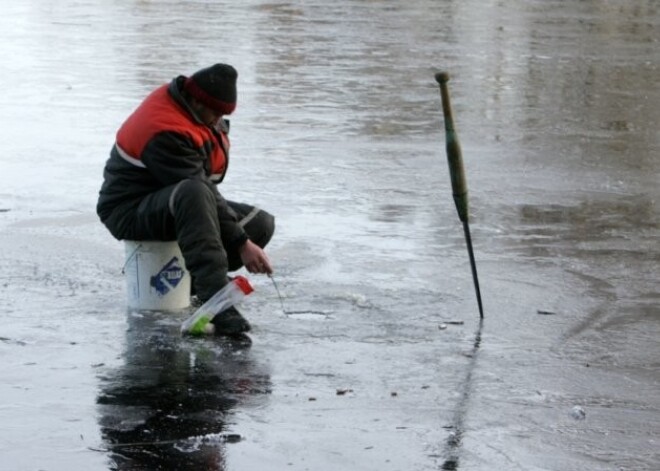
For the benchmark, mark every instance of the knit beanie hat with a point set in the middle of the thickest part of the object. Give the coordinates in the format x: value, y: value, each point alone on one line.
x: 214, y: 87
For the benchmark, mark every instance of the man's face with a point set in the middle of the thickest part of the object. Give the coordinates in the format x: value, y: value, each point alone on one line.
x: 209, y: 116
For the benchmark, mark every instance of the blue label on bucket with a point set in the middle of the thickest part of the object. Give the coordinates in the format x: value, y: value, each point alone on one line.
x: 168, y: 277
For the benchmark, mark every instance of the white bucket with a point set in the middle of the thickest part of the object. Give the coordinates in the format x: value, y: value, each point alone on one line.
x: 156, y: 276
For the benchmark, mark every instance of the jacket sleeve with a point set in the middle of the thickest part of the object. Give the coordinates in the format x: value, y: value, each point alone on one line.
x: 170, y: 158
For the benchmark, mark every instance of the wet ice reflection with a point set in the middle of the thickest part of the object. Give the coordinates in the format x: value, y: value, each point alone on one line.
x: 170, y: 403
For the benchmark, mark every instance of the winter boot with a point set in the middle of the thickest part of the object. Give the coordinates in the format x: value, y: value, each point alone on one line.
x: 230, y: 322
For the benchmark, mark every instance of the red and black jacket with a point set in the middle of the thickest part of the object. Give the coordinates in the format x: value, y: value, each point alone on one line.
x: 161, y: 143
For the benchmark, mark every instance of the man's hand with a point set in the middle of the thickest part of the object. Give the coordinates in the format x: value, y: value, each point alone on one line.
x: 254, y: 258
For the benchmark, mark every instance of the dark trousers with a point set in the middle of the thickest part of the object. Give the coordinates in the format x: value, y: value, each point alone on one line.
x: 188, y: 213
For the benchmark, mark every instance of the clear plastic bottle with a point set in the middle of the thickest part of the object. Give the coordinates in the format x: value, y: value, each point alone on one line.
x: 231, y: 294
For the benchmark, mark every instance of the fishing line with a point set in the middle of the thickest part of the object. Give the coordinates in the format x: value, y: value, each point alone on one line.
x: 290, y: 313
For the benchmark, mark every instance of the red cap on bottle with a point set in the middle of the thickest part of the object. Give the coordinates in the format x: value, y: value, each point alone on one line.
x: 243, y: 284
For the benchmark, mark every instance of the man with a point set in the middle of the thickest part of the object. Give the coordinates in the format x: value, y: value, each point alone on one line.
x: 160, y: 184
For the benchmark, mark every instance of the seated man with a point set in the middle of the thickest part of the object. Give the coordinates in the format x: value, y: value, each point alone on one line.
x: 160, y: 184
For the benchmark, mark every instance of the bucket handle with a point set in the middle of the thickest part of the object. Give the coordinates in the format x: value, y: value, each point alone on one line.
x: 129, y: 258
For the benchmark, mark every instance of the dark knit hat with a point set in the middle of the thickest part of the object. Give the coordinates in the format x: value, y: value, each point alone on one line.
x: 214, y: 87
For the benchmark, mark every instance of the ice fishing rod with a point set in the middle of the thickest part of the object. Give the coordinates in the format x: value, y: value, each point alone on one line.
x: 457, y: 174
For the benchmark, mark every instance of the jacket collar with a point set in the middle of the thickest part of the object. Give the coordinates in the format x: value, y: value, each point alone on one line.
x: 175, y: 88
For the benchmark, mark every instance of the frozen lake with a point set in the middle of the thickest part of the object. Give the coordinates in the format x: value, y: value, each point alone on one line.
x: 339, y: 133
